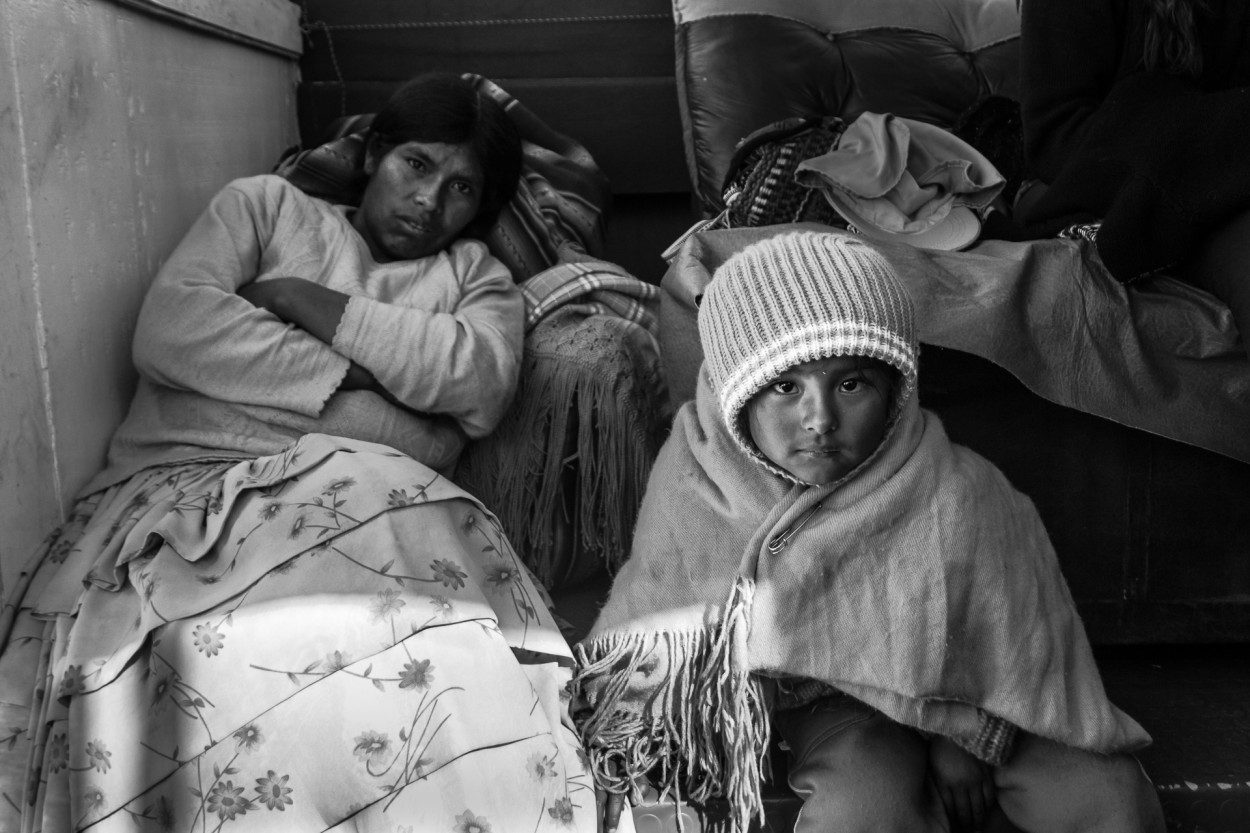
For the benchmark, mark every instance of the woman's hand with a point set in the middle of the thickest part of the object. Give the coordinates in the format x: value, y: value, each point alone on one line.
x: 313, y: 308
x: 965, y: 784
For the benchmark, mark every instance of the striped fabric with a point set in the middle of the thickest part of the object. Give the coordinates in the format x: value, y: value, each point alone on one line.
x: 590, y: 287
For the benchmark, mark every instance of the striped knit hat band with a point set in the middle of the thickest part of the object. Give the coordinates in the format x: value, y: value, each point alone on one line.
x: 796, y: 298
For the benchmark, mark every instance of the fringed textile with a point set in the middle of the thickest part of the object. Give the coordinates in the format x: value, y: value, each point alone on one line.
x: 705, y: 731
x: 586, y: 425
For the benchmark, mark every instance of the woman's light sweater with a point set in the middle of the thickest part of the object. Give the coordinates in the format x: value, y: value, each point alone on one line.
x: 223, y: 379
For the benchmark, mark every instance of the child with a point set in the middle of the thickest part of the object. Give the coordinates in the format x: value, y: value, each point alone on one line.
x: 814, y: 556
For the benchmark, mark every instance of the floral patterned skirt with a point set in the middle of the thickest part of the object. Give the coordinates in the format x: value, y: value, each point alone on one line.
x: 331, y: 638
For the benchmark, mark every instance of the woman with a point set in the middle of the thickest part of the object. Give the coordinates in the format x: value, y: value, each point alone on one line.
x: 1131, y: 110
x: 262, y: 614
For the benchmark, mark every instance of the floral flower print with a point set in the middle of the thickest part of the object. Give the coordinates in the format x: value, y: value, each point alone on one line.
x: 416, y: 674
x: 297, y: 526
x: 248, y: 738
x: 208, y: 640
x: 449, y: 573
x: 98, y: 756
x: 72, y: 682
x: 273, y: 792
x: 385, y: 604
x: 466, y: 822
x: 148, y: 584
x: 58, y: 753
x: 583, y: 758
x: 270, y: 510
x: 61, y: 551
x: 442, y: 606
x: 541, y: 767
x: 399, y: 498
x: 214, y: 504
x: 161, y: 687
x: 372, y: 747
x: 562, y: 811
x: 340, y: 485
x: 502, y: 575
x: 227, y: 801
x: 337, y: 661
x: 93, y: 799
x: 162, y: 813
x: 419, y: 768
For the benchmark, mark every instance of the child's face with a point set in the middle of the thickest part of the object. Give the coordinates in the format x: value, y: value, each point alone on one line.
x: 821, y: 419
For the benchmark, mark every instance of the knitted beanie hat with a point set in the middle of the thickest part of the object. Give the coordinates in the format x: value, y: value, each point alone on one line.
x: 796, y: 298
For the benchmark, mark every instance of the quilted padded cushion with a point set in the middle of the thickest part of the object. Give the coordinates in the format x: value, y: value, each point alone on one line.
x: 742, y: 64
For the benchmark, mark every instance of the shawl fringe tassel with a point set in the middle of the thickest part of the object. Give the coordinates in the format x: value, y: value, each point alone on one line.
x: 701, y: 724
x: 576, y: 444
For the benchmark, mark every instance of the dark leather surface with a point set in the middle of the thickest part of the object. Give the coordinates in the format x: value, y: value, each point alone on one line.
x: 738, y: 73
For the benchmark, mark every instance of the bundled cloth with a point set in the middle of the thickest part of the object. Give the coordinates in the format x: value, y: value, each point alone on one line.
x: 923, y: 585
x: 591, y: 287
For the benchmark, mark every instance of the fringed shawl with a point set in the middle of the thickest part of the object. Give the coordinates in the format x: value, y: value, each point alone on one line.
x: 922, y: 584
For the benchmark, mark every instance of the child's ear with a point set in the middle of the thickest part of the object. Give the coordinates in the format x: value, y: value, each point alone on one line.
x: 373, y: 154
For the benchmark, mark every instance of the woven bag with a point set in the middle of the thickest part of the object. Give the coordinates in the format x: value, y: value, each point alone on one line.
x: 760, y: 188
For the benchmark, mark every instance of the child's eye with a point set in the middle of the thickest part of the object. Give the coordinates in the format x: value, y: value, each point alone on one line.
x: 852, y: 385
x: 784, y: 386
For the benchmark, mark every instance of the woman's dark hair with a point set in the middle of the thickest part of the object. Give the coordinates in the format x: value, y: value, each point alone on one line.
x: 445, y: 107
x: 1171, y: 39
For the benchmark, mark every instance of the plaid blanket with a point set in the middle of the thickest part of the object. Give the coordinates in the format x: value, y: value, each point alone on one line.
x: 591, y: 287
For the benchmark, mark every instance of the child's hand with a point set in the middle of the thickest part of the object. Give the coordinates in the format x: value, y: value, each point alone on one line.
x: 610, y: 805
x: 964, y: 783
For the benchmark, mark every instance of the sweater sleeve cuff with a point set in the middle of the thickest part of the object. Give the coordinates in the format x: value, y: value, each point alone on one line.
x: 351, y: 323
x: 994, y: 743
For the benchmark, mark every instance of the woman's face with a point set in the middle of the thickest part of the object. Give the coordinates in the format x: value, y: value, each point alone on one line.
x: 821, y: 419
x: 420, y: 197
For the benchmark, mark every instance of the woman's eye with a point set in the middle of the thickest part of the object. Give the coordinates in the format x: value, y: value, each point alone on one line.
x: 464, y: 188
x: 416, y: 164
x: 851, y: 385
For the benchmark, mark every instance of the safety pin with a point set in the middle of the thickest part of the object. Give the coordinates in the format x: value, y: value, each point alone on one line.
x: 778, y: 543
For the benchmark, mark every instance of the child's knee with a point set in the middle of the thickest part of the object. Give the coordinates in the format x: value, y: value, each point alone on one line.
x: 1049, y: 786
x: 860, y: 772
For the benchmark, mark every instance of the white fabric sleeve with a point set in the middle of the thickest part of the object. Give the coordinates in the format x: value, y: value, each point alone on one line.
x: 195, y: 333
x: 462, y: 364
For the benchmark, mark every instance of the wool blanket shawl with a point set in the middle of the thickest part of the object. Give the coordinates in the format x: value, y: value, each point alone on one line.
x: 922, y: 584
